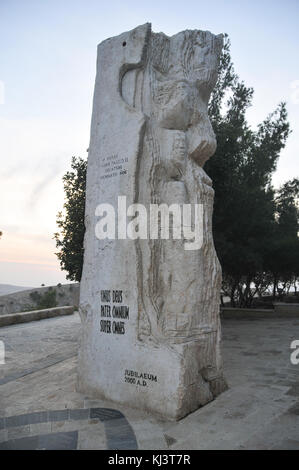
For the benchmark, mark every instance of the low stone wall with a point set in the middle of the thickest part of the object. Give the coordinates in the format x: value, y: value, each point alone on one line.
x: 23, y: 317
x: 284, y: 308
x: 257, y: 313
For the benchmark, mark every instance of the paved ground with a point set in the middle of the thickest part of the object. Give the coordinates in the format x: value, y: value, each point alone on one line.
x: 39, y: 407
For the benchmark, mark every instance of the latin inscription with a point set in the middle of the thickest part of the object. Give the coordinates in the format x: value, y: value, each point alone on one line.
x: 113, y: 165
x: 113, y: 315
x: 139, y: 378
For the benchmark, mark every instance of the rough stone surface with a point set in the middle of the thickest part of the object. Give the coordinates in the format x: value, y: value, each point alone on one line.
x: 283, y: 308
x: 258, y: 313
x: 35, y: 315
x: 150, y: 137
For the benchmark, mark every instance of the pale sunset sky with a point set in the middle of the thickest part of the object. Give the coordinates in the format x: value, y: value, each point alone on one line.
x: 47, y: 72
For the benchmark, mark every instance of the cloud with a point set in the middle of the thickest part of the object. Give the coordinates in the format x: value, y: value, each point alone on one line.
x: 36, y: 153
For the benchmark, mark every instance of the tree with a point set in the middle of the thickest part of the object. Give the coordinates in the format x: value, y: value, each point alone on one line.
x: 283, y: 250
x: 69, y: 240
x: 241, y: 170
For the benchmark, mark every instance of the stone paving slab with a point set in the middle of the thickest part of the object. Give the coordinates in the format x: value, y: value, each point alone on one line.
x: 38, y: 345
x: 259, y: 411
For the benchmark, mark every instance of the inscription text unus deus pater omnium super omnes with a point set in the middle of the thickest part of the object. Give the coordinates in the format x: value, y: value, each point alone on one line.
x: 113, y: 315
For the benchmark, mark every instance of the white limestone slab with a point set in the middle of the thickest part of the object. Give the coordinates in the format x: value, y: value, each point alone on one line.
x: 150, y: 308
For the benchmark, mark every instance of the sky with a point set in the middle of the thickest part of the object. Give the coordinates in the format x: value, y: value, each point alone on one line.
x: 47, y: 73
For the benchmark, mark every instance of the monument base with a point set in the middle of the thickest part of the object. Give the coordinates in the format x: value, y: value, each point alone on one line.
x: 166, y: 380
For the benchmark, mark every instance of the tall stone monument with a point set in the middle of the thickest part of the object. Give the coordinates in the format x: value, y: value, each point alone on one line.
x: 149, y: 305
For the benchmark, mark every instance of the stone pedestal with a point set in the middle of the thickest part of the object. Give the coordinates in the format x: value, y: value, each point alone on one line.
x: 150, y: 306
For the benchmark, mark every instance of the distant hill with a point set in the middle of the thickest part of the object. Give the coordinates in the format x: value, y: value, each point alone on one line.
x: 23, y: 299
x: 10, y: 289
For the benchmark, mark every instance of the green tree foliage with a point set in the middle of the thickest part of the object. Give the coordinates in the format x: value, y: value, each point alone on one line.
x: 69, y: 239
x: 42, y: 301
x: 241, y: 170
x: 282, y: 259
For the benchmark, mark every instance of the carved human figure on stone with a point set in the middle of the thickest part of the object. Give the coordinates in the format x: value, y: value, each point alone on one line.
x: 178, y: 140
x: 174, y: 302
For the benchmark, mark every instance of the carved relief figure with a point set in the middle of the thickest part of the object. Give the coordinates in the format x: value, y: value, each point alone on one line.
x: 179, y: 289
